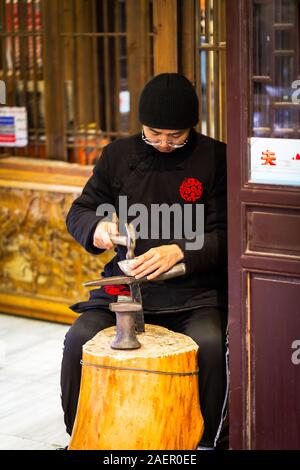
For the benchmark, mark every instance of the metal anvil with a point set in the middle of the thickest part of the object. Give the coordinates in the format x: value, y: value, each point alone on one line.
x: 129, y: 314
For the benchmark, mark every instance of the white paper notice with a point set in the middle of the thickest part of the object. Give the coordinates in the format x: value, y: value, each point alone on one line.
x: 275, y: 161
x: 13, y: 127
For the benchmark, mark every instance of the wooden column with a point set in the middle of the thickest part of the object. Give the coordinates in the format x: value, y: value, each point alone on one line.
x: 84, y: 63
x: 165, y: 36
x: 54, y: 92
x: 187, y: 39
x: 137, y: 54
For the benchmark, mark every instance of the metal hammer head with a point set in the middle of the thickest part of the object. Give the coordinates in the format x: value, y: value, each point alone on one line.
x: 127, y: 240
x: 130, y: 232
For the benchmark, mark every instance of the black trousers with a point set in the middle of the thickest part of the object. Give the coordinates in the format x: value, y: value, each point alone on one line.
x: 206, y: 326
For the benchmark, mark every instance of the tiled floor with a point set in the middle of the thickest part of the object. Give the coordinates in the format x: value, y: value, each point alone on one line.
x: 30, y: 410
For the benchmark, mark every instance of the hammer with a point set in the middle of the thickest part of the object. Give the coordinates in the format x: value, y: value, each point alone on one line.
x: 127, y: 240
x: 129, y: 314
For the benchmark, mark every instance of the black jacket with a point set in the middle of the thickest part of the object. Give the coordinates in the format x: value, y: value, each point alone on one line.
x: 131, y: 168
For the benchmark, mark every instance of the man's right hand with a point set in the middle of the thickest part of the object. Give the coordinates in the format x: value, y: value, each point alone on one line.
x: 102, y: 234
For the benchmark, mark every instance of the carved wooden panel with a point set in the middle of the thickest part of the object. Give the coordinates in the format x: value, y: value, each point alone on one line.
x: 41, y: 267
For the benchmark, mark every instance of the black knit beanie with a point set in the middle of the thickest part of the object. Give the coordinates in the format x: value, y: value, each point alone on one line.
x: 169, y: 101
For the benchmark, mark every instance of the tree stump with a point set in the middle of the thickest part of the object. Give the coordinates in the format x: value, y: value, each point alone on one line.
x: 142, y: 399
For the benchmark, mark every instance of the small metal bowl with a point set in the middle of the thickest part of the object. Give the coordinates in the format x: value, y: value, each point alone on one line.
x: 126, y: 266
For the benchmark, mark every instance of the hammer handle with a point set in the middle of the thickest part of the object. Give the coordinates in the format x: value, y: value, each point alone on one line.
x: 118, y: 239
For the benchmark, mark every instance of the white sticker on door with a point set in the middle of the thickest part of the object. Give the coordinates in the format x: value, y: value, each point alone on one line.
x: 275, y: 161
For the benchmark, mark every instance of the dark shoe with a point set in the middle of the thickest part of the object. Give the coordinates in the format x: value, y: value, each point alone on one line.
x: 62, y: 448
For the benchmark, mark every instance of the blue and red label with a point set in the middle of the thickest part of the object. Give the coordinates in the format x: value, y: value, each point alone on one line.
x: 7, y: 129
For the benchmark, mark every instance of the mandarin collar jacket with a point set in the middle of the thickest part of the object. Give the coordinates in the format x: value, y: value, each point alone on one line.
x: 192, y: 175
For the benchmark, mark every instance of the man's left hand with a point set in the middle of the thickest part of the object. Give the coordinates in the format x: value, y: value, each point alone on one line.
x: 157, y: 261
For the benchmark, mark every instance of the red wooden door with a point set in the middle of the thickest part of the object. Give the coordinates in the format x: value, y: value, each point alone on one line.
x: 264, y: 223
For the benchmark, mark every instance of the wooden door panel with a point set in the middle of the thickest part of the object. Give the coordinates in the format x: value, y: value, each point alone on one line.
x: 273, y: 230
x: 274, y: 371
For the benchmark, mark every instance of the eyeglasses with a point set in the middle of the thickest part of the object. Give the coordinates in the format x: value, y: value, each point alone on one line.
x: 156, y: 143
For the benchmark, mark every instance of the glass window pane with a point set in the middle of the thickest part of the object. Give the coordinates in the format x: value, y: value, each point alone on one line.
x: 275, y: 69
x: 275, y: 92
x: 211, y: 67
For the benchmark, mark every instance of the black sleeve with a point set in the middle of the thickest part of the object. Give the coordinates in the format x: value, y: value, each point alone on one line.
x: 82, y: 220
x: 213, y: 254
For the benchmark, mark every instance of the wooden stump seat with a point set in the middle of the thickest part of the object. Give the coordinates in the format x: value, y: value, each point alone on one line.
x: 142, y: 399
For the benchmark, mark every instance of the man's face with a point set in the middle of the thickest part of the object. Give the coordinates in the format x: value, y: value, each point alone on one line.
x: 165, y: 140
